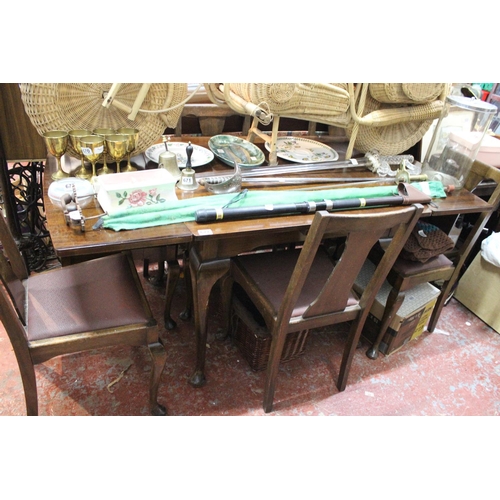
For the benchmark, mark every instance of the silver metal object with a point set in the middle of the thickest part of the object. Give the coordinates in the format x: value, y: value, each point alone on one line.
x: 188, y: 180
x: 224, y: 184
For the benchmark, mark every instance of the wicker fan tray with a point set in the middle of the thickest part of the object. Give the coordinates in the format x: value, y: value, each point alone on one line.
x: 250, y: 335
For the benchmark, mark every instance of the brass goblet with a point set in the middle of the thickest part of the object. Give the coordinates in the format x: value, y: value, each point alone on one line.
x: 116, y: 145
x: 104, y: 132
x: 74, y: 137
x: 57, y: 143
x: 133, y: 135
x: 92, y: 147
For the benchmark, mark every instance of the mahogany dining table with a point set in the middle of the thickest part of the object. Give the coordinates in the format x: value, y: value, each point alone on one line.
x: 211, y: 244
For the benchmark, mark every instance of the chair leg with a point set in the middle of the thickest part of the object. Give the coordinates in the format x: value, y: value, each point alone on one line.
x: 159, y: 357
x: 145, y: 268
x: 436, y: 312
x: 277, y: 344
x: 30, y: 391
x: 349, y: 349
x: 394, y: 301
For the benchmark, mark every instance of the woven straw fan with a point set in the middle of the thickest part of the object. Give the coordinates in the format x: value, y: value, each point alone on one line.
x: 66, y: 106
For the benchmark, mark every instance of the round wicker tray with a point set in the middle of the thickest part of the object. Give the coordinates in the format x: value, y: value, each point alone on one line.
x: 68, y: 106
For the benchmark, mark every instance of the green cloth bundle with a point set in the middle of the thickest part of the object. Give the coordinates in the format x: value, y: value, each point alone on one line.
x: 184, y: 210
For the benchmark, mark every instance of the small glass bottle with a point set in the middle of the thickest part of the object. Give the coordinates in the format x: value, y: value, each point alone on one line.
x: 456, y: 140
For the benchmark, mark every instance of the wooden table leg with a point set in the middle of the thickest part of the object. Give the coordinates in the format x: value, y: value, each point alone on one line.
x: 204, y: 275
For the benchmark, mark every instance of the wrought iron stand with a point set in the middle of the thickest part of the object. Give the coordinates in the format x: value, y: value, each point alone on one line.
x: 21, y: 197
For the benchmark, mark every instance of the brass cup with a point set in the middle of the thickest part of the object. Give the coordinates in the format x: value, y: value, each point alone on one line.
x: 57, y: 143
x: 104, y: 132
x: 116, y: 145
x: 74, y: 137
x: 133, y: 135
x: 92, y: 148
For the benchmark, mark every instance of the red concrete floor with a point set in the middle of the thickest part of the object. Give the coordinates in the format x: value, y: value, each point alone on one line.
x: 454, y: 372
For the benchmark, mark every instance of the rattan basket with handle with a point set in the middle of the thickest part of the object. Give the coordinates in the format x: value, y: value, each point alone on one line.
x: 406, y: 93
x: 392, y: 128
x: 391, y: 124
x: 68, y: 106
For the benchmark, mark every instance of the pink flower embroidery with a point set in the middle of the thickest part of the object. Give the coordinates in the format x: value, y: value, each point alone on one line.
x: 137, y: 198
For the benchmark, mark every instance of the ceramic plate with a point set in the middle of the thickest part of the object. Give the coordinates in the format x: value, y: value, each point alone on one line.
x: 301, y: 150
x: 201, y: 156
x: 229, y: 148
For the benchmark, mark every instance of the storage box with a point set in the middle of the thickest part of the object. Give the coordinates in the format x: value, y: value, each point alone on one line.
x: 489, y: 151
x: 128, y: 190
x: 250, y: 335
x: 478, y: 291
x: 411, y: 318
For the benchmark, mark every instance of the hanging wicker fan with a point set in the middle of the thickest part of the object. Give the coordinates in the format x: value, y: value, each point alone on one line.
x: 68, y: 106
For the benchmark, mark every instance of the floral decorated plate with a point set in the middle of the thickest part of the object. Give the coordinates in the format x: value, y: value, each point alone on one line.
x: 201, y: 156
x: 300, y: 150
x: 229, y: 148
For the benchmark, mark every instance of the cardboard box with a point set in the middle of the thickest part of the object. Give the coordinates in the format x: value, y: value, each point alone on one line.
x: 411, y: 318
x: 489, y: 151
x: 478, y: 291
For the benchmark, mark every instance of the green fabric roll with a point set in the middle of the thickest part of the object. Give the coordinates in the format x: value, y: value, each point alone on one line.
x: 184, y: 210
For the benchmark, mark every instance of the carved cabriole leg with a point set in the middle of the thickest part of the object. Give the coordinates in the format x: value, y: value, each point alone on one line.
x: 203, y: 277
x: 394, y: 301
x: 159, y: 357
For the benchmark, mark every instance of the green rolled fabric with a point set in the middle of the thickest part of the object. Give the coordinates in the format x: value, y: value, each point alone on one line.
x: 176, y: 211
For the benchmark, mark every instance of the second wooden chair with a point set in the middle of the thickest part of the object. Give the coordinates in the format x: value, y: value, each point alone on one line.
x: 304, y: 289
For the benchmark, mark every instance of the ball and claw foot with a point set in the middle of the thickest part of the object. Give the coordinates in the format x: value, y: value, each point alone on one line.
x: 185, y: 315
x: 158, y: 410
x: 170, y: 324
x: 198, y: 379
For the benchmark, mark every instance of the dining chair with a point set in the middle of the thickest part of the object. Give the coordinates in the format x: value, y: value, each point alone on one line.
x: 94, y: 304
x: 405, y: 274
x: 303, y: 288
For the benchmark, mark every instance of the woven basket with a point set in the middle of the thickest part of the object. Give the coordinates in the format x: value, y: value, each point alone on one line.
x: 406, y: 93
x: 254, y: 341
x: 68, y: 106
x: 393, y: 128
x: 305, y: 100
x: 392, y: 123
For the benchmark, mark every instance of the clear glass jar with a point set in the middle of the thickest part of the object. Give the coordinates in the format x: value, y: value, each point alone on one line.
x: 457, y: 139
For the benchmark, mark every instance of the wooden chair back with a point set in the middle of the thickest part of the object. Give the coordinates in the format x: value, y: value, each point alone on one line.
x: 361, y: 232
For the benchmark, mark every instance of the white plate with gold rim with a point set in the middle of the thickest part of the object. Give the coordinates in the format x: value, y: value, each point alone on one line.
x: 301, y: 150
